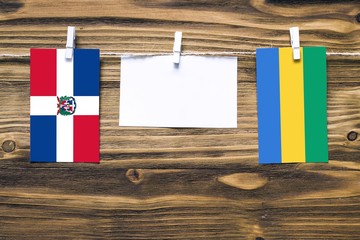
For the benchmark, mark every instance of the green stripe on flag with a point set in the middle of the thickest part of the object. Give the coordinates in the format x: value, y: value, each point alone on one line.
x: 316, y: 141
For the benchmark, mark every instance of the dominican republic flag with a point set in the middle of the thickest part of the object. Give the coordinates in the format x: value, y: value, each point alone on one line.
x: 291, y: 94
x: 64, y: 106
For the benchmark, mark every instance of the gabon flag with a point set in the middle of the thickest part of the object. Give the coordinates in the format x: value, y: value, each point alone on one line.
x: 291, y: 94
x: 64, y: 105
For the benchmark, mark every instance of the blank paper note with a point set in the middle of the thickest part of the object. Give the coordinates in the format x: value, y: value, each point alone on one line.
x: 200, y: 92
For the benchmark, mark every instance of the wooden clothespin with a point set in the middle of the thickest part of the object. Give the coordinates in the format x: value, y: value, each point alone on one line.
x: 70, y: 42
x: 295, y: 42
x: 177, y: 47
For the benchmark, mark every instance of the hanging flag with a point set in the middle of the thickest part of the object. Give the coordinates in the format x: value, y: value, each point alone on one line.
x: 292, y: 120
x: 64, y: 106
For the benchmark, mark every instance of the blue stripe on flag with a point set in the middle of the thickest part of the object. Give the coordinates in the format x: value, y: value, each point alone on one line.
x: 268, y: 95
x: 86, y: 72
x: 43, y: 139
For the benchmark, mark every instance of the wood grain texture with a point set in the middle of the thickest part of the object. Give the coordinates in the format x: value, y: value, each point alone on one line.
x: 165, y: 183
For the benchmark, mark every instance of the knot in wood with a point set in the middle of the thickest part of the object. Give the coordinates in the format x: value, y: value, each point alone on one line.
x: 259, y: 238
x: 135, y: 176
x: 8, y: 146
x: 358, y: 18
x: 352, y: 136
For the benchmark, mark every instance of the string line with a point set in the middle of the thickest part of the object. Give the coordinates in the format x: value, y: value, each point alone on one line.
x: 129, y: 54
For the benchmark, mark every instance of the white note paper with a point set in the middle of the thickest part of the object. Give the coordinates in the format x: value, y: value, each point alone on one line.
x: 200, y: 92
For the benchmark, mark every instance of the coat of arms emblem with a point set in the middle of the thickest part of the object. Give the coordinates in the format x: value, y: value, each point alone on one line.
x: 66, y: 105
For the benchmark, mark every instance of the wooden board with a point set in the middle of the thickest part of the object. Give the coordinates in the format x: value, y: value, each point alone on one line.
x: 180, y: 183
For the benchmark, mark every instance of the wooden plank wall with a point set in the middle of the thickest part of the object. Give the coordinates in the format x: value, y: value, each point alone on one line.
x: 180, y: 183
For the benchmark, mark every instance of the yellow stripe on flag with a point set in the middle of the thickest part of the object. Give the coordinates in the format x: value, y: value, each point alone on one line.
x: 291, y: 107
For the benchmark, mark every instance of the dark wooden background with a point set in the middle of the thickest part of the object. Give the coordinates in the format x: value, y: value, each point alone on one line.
x: 180, y: 183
